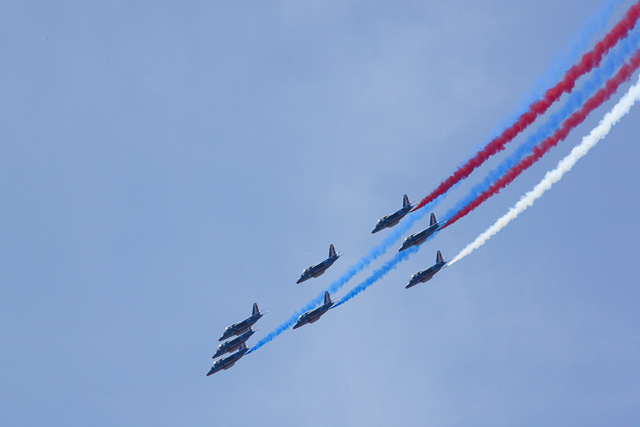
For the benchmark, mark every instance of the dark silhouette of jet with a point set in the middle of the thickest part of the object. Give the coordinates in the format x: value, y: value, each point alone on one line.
x: 393, y: 219
x: 242, y: 327
x: 312, y: 316
x: 426, y: 275
x: 319, y: 269
x: 229, y: 361
x: 419, y: 238
x: 234, y: 344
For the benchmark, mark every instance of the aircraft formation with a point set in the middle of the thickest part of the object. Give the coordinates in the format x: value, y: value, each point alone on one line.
x: 243, y: 330
x: 606, y: 72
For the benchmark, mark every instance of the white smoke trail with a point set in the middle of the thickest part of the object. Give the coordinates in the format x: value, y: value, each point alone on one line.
x: 588, y: 142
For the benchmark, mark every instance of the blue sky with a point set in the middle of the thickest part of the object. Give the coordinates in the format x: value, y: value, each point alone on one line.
x: 165, y: 165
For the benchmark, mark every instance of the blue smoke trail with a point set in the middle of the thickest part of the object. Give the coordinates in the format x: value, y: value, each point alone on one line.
x: 595, y: 24
x: 382, y: 271
x: 379, y: 273
x: 608, y: 67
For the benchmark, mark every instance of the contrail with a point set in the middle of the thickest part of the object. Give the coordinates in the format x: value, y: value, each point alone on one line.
x: 576, y: 118
x: 614, y: 60
x: 589, y: 61
x: 588, y: 142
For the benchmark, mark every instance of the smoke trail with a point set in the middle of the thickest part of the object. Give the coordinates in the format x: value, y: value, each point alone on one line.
x: 589, y: 61
x: 377, y: 251
x: 576, y: 118
x: 380, y: 273
x: 588, y: 142
x: 612, y: 62
x: 558, y: 67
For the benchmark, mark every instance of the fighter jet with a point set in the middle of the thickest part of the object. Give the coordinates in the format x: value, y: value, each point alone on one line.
x: 419, y: 238
x: 239, y: 328
x: 426, y: 275
x: 312, y: 316
x: 229, y: 361
x: 234, y: 344
x: 393, y: 219
x: 319, y: 269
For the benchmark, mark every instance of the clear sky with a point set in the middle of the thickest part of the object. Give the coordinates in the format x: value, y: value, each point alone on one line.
x: 166, y: 164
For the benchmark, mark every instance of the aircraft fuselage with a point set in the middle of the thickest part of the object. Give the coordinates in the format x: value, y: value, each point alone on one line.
x: 239, y: 328
x: 228, y: 362
x: 425, y: 275
x: 391, y: 220
x: 318, y: 269
x: 418, y: 238
x: 234, y: 344
x: 312, y: 316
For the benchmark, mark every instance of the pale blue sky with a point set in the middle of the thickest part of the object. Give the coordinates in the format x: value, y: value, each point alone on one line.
x: 165, y: 165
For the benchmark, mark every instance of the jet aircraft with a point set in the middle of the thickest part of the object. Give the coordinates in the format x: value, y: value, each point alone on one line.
x: 393, y: 219
x: 319, y: 269
x: 426, y: 275
x: 419, y: 238
x: 312, y: 316
x: 234, y: 344
x: 239, y: 328
x: 229, y: 361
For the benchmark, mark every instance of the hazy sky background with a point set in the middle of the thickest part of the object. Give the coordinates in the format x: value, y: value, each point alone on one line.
x: 166, y: 164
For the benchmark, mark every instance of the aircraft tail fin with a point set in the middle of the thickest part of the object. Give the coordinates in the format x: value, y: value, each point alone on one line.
x: 405, y: 201
x: 327, y: 297
x: 433, y: 219
x: 439, y: 257
x: 256, y: 310
x: 332, y: 251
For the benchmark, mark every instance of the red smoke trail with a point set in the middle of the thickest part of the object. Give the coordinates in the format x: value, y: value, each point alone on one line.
x: 589, y: 61
x: 576, y: 118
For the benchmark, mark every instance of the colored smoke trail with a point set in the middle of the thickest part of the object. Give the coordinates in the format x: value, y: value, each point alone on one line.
x: 559, y: 66
x: 397, y: 232
x: 589, y: 61
x: 576, y: 118
x: 380, y: 273
x: 611, y: 63
x: 588, y: 142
